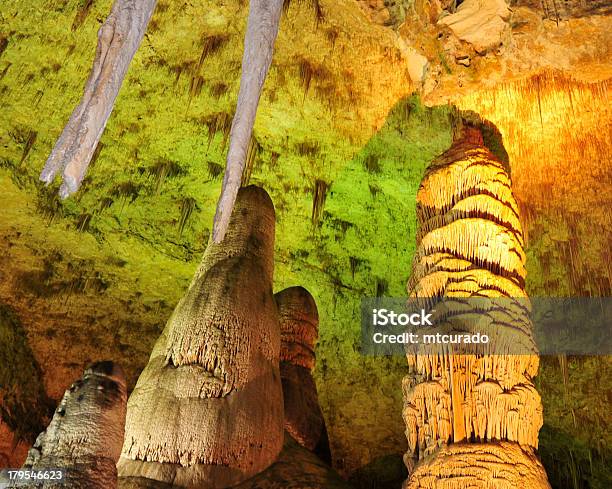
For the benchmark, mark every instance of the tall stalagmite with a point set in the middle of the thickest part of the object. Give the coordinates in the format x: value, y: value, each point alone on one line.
x: 299, y: 323
x: 86, y: 432
x: 472, y: 420
x: 207, y: 411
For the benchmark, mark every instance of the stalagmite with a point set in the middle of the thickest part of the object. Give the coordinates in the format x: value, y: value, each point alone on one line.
x: 472, y: 419
x: 85, y: 435
x: 207, y: 411
x: 118, y: 39
x: 262, y: 28
x: 299, y: 321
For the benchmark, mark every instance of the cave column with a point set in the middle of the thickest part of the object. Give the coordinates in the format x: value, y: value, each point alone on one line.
x: 472, y: 420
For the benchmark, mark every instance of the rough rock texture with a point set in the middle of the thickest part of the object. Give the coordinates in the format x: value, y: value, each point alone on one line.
x: 207, y: 409
x: 296, y: 468
x: 480, y: 466
x: 479, y: 22
x: 299, y: 323
x: 118, y: 40
x: 12, y: 449
x: 470, y: 245
x: 486, y: 43
x: 24, y: 406
x: 86, y: 432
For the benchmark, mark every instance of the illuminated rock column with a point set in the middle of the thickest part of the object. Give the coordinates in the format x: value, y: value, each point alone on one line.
x: 207, y: 411
x: 86, y: 432
x: 472, y: 420
x: 299, y: 323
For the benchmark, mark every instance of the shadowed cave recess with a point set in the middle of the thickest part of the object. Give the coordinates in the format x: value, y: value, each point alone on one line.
x: 118, y: 309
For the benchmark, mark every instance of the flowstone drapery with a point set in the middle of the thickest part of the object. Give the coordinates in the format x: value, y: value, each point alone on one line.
x: 472, y: 420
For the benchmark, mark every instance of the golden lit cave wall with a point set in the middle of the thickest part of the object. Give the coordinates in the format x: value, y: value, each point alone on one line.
x: 558, y: 135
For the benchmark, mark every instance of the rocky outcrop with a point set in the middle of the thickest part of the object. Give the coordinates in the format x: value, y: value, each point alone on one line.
x: 416, y: 63
x: 299, y: 322
x: 208, y: 408
x: 296, y: 468
x: 470, y: 244
x: 480, y: 23
x: 86, y: 432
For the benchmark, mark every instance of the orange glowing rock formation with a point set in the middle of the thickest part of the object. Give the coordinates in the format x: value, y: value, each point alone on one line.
x: 299, y: 323
x: 472, y: 419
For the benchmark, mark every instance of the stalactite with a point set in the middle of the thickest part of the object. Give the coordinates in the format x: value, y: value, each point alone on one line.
x: 86, y: 432
x: 118, y: 39
x: 318, y: 200
x: 299, y: 321
x: 3, y: 45
x: 30, y: 140
x: 315, y: 5
x: 188, y: 205
x: 82, y: 13
x: 262, y: 28
x: 214, y: 169
x: 161, y: 170
x: 252, y: 156
x: 219, y: 122
x: 470, y: 244
x: 207, y: 411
